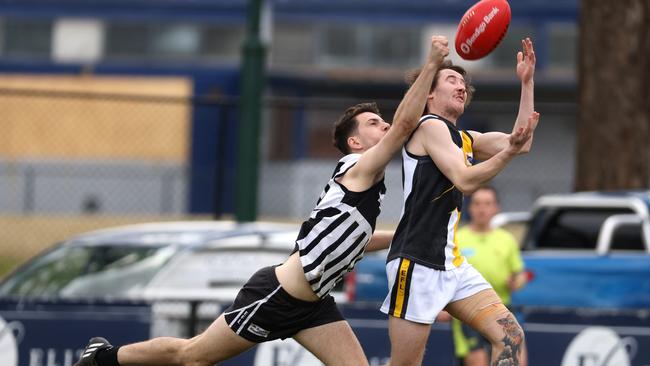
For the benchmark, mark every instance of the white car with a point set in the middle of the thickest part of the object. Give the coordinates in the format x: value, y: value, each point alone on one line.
x: 203, y: 261
x: 136, y: 282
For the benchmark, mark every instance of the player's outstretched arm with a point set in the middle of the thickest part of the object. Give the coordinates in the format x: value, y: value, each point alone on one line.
x: 370, y: 167
x: 525, y: 72
x: 449, y: 158
x: 489, y: 144
x: 380, y: 240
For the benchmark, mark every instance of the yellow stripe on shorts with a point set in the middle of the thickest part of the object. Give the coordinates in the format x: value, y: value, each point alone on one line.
x: 402, y: 276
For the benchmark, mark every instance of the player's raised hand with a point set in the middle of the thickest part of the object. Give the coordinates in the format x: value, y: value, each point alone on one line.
x: 519, y: 139
x: 439, y: 49
x: 526, y: 61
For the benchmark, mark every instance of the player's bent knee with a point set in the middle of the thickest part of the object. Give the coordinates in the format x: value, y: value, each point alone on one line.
x: 512, y: 334
x: 498, y: 325
x: 507, y: 339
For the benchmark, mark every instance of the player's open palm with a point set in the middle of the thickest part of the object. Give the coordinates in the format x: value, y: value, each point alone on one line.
x: 526, y: 61
x: 522, y: 135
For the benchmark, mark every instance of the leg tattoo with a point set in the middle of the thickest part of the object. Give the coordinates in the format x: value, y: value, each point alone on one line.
x: 512, y: 342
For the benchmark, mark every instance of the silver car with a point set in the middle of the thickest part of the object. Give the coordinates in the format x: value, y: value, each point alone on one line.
x: 158, y: 261
x: 135, y: 282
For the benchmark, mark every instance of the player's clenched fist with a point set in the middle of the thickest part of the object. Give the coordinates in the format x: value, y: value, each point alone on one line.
x: 439, y: 49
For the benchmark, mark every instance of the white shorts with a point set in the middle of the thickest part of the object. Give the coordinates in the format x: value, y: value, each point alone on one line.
x: 418, y: 293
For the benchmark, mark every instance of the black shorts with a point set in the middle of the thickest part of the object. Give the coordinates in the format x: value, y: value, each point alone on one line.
x: 264, y: 311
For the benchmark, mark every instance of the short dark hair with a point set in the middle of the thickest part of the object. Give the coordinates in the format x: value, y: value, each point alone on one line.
x: 447, y: 64
x: 348, y: 123
x: 488, y: 188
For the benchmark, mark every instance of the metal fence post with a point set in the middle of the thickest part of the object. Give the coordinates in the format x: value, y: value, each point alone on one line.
x: 252, y: 78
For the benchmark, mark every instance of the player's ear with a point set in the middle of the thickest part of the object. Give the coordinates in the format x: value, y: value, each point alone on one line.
x: 354, y: 143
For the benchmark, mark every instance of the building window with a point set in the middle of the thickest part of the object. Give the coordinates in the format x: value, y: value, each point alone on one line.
x: 127, y: 40
x: 222, y: 42
x: 562, y: 46
x: 341, y: 45
x: 293, y: 44
x: 175, y: 41
x: 395, y: 46
x: 366, y: 45
x: 504, y: 56
x: 27, y: 38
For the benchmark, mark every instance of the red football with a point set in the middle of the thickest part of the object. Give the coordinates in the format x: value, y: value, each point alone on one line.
x: 482, y: 28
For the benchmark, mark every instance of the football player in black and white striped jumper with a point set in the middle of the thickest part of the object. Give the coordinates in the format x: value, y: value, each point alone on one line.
x: 292, y: 299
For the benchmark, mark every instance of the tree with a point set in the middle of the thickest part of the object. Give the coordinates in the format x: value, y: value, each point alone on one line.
x: 614, y: 78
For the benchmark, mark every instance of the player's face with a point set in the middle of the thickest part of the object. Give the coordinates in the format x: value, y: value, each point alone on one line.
x: 483, y: 207
x: 450, y: 94
x: 371, y: 128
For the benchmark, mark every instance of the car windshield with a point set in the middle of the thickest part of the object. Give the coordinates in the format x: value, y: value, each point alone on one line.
x: 578, y: 228
x: 88, y: 271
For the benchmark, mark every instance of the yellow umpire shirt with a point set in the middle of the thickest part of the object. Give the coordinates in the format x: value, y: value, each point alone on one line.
x: 494, y: 254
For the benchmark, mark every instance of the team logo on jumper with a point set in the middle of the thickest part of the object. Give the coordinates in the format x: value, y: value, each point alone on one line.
x: 600, y: 346
x: 10, y: 336
x: 258, y: 331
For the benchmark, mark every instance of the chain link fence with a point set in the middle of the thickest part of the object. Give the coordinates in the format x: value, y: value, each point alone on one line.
x: 78, y: 154
x: 290, y: 186
x: 81, y: 156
